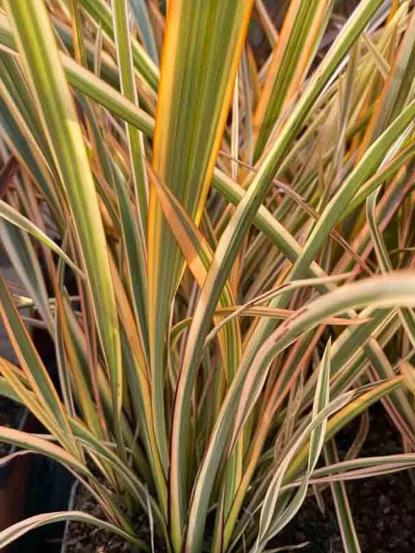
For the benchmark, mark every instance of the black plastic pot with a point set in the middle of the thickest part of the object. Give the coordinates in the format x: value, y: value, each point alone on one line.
x: 5, y: 470
x: 13, y: 478
x: 48, y: 489
x: 31, y: 485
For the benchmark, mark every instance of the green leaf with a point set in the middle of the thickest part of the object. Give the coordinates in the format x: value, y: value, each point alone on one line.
x: 19, y: 529
x: 37, y: 45
x: 197, y: 77
x: 230, y: 242
x: 8, y: 213
x: 342, y: 506
x: 101, y: 13
x: 272, y: 519
x: 297, y: 43
x: 142, y: 18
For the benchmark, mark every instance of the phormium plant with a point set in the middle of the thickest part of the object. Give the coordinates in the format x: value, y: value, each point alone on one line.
x: 211, y: 215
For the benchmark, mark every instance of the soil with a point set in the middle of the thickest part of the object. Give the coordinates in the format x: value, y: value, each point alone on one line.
x: 82, y: 538
x: 383, y: 508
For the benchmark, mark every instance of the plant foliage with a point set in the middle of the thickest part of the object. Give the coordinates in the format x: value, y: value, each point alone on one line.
x: 210, y: 206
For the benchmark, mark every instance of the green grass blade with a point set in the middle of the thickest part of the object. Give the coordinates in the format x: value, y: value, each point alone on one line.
x: 128, y: 88
x: 21, y: 528
x: 34, y: 368
x: 342, y: 506
x: 86, y: 82
x: 8, y: 213
x: 101, y: 14
x: 250, y: 378
x: 303, y: 28
x: 142, y: 18
x: 234, y: 233
x: 56, y: 106
x: 194, y: 97
x: 270, y: 524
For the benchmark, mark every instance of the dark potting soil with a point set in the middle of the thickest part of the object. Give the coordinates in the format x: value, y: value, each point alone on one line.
x: 82, y: 538
x: 383, y: 507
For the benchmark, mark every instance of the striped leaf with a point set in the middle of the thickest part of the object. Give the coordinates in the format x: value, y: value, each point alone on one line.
x: 194, y: 97
x: 57, y: 109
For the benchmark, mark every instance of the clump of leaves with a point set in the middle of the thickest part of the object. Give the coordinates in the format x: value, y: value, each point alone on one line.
x: 209, y: 205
